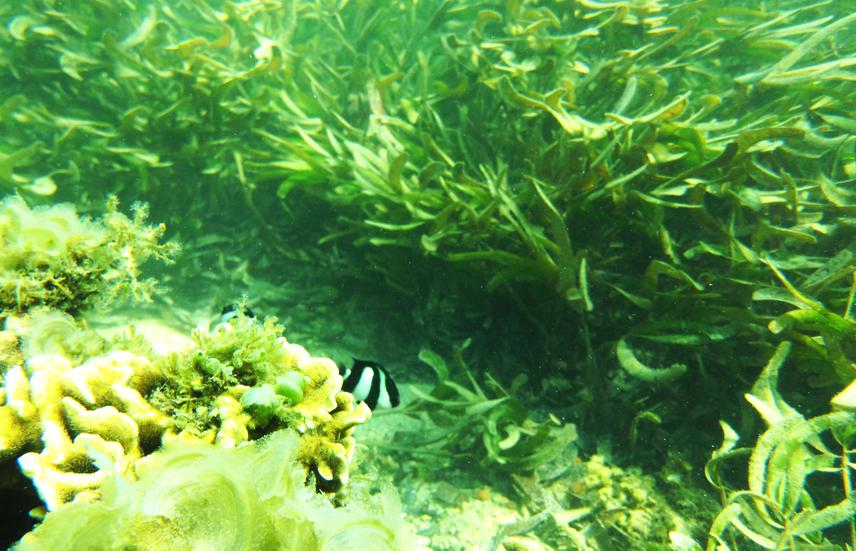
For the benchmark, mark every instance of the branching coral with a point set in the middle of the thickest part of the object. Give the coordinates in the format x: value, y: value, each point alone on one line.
x: 193, y: 495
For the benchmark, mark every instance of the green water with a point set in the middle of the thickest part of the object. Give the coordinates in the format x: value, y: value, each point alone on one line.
x: 574, y: 232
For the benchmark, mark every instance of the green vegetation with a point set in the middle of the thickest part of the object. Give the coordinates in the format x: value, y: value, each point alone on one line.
x: 777, y: 511
x: 658, y: 193
x: 53, y: 258
x: 466, y: 423
x: 239, y: 354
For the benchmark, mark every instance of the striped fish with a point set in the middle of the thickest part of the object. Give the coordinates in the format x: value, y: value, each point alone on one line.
x: 371, y: 383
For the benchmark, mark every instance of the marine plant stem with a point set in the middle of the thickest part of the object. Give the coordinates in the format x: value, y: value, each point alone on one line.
x: 268, y: 231
x: 592, y: 373
x: 845, y: 475
x: 850, y: 297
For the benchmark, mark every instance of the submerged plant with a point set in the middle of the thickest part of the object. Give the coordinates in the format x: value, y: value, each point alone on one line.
x: 619, y: 156
x: 825, y: 335
x: 778, y: 510
x: 464, y: 421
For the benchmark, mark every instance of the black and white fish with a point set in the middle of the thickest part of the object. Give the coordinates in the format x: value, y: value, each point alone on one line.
x: 231, y: 311
x: 371, y: 383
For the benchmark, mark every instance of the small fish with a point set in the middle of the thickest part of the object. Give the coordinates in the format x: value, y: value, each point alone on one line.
x: 231, y: 311
x: 371, y: 383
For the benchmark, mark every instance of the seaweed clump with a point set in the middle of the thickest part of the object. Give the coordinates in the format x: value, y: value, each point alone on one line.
x: 53, y: 257
x: 490, y: 425
x: 244, y: 380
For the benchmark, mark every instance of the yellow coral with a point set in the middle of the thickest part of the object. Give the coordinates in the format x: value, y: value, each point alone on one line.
x: 322, y: 387
x: 233, y: 422
x: 17, y: 429
x: 328, y: 448
x: 73, y: 425
x: 89, y: 415
x: 106, y: 422
x: 329, y: 416
x: 56, y: 486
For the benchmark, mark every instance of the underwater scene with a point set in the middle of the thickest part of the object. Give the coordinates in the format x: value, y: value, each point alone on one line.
x: 411, y: 275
